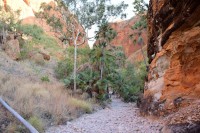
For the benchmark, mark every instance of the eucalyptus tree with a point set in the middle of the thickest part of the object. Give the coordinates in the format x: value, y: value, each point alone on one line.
x: 140, y: 9
x: 89, y: 13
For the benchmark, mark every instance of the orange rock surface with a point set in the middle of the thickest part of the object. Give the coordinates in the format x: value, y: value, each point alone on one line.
x: 123, y: 38
x: 174, y: 55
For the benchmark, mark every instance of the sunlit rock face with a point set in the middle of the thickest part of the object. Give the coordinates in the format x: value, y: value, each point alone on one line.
x: 26, y: 7
x: 28, y: 10
x: 174, y: 56
x: 124, y: 39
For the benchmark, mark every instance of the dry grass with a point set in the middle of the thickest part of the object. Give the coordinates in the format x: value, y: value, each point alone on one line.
x: 8, y: 124
x: 48, y: 101
x: 80, y: 104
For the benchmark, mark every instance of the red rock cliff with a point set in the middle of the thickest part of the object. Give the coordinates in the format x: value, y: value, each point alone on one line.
x: 123, y: 38
x: 29, y: 9
x: 174, y: 57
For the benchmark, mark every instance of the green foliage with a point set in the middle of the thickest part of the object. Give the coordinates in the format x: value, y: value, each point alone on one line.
x: 139, y: 6
x: 45, y: 79
x: 130, y: 81
x: 31, y: 30
x: 9, y: 19
x: 25, y: 48
x: 37, y: 123
x: 127, y: 80
x: 141, y: 24
x: 38, y: 38
x: 102, y: 69
x: 64, y: 68
x: 105, y: 32
x: 45, y: 6
x: 53, y: 21
x: 89, y: 77
x: 95, y: 12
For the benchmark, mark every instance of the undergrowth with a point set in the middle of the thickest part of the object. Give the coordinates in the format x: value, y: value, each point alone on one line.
x: 37, y: 39
x: 42, y: 103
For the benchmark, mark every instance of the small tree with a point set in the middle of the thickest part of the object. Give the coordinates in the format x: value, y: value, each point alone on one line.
x: 9, y: 20
x: 89, y: 13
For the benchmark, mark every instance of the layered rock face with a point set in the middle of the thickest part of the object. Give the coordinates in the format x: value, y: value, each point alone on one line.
x: 174, y: 57
x: 26, y: 7
x: 28, y: 14
x: 124, y: 38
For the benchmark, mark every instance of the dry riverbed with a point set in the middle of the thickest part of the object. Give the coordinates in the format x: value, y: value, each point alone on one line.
x: 119, y: 117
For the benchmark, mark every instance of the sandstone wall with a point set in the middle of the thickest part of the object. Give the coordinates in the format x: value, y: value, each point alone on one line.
x: 123, y: 38
x: 174, y: 56
x: 28, y: 9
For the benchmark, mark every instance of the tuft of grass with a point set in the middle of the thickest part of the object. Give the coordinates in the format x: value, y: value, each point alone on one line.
x: 36, y: 122
x: 80, y: 104
x: 31, y: 30
x: 45, y: 79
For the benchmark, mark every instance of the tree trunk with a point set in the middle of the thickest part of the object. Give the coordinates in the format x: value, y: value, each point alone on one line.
x: 101, y: 69
x: 102, y: 64
x: 143, y: 54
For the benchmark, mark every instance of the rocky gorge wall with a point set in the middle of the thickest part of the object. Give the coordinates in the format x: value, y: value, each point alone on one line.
x: 124, y: 31
x: 26, y: 7
x: 51, y: 20
x: 29, y: 14
x: 173, y: 84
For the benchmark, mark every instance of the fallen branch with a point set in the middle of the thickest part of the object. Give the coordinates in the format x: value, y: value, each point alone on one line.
x: 22, y: 120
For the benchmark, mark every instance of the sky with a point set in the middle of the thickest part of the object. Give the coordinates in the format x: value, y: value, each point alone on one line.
x: 128, y: 11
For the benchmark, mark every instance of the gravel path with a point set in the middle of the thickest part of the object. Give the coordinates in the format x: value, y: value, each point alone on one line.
x: 120, y: 117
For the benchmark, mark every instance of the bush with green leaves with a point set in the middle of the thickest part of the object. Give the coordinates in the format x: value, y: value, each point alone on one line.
x: 130, y: 81
x: 140, y: 24
x: 126, y: 79
x: 103, y: 68
x: 64, y: 68
x: 45, y: 79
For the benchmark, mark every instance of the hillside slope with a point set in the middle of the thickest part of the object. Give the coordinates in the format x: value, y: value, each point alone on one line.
x: 47, y: 14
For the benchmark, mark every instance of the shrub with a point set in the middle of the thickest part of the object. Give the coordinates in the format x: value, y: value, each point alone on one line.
x: 45, y: 79
x: 36, y: 122
x: 64, y: 68
x: 130, y: 83
x: 32, y: 30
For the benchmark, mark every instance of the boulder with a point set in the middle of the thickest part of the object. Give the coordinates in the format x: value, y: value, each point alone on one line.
x: 45, y: 54
x: 38, y: 58
x: 12, y: 47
